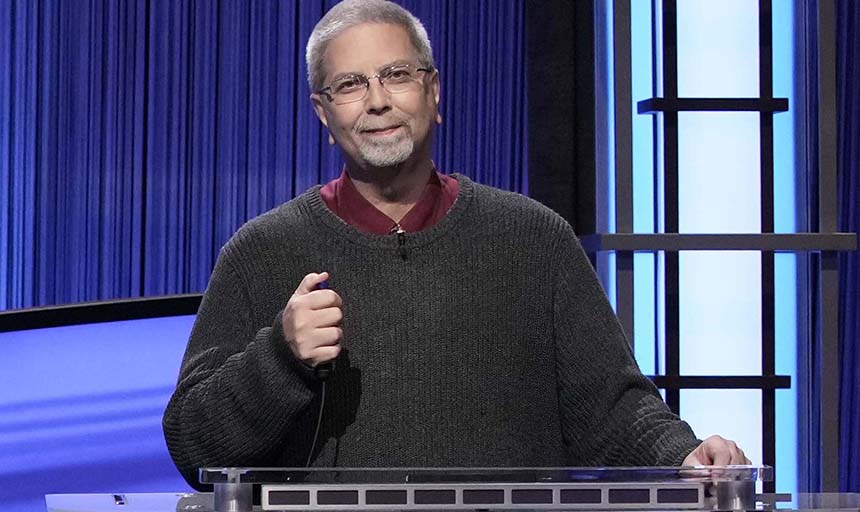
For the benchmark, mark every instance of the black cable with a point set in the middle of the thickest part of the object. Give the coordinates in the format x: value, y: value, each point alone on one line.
x: 322, y: 372
x: 319, y: 422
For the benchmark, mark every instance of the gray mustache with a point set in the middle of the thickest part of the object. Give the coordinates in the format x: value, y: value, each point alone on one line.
x: 378, y: 124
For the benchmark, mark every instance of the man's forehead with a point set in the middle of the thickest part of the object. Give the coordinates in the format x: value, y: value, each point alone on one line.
x: 368, y: 47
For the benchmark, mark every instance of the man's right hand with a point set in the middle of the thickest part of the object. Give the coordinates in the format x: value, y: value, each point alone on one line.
x: 311, y: 321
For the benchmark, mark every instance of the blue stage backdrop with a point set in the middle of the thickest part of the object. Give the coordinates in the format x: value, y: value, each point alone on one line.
x: 848, y: 144
x: 136, y: 136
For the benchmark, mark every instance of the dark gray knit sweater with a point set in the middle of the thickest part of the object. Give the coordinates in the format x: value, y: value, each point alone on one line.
x: 482, y: 341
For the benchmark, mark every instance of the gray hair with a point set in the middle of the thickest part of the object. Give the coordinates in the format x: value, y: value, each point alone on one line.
x: 350, y: 13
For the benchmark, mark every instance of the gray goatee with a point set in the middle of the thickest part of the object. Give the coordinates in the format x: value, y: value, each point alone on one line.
x: 390, y: 151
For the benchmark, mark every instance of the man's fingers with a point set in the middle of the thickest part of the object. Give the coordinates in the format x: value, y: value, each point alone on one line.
x: 322, y: 299
x: 721, y: 451
x: 323, y: 338
x: 310, y: 282
x: 722, y: 458
x: 716, y: 451
x: 738, y: 456
x: 327, y: 336
x: 311, y: 321
x: 329, y: 317
x: 325, y: 354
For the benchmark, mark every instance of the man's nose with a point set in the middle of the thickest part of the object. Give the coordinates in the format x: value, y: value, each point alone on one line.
x: 377, y: 99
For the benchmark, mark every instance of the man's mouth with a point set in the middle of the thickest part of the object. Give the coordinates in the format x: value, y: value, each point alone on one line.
x: 382, y: 131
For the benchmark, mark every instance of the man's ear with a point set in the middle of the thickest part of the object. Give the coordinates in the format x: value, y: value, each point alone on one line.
x: 319, y: 108
x: 435, y: 88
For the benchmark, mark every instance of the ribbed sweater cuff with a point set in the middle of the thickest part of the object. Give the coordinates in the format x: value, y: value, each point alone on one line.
x: 684, y: 449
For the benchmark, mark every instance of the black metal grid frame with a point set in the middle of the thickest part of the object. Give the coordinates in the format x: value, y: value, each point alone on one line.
x: 669, y: 243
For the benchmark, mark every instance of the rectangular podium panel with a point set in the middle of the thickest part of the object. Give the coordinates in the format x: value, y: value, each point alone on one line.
x: 351, y: 489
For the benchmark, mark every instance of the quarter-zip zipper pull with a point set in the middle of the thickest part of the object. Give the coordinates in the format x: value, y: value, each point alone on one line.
x: 401, y: 240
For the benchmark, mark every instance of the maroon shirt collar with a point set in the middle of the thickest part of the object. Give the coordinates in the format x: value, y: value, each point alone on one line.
x: 342, y: 198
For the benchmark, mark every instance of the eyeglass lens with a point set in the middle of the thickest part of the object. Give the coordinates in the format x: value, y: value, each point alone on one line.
x: 354, y: 88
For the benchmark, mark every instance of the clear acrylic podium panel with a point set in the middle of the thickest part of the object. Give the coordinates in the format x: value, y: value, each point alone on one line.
x: 475, y: 489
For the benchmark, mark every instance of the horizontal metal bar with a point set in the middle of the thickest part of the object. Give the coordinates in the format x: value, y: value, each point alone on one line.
x: 657, y: 105
x: 96, y: 312
x: 721, y: 381
x: 670, y: 242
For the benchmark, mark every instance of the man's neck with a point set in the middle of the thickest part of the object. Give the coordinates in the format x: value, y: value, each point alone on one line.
x: 393, y: 191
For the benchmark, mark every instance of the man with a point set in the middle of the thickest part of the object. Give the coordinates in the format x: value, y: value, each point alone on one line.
x: 465, y: 324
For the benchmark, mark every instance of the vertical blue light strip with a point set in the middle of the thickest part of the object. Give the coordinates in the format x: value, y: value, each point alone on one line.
x: 609, y: 227
x: 785, y: 265
x: 604, y: 99
x: 644, y: 272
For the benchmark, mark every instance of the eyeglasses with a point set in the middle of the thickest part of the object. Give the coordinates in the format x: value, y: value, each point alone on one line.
x: 396, y: 79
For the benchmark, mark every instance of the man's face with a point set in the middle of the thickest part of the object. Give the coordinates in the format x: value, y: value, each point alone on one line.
x: 384, y: 129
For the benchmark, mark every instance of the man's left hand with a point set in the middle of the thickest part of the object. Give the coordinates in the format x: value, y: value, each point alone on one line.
x: 716, y: 451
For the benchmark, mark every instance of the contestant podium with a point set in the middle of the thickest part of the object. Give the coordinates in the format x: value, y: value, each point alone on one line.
x: 708, y: 488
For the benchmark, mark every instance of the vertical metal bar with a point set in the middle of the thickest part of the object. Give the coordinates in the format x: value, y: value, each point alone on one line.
x: 624, y: 293
x: 829, y: 371
x: 827, y: 221
x: 623, y: 118
x: 768, y: 313
x: 827, y: 184
x: 673, y: 360
x: 623, y: 161
x: 670, y: 197
x: 768, y: 342
x: 670, y: 49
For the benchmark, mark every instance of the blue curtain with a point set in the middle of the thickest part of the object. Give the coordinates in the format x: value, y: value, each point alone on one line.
x: 848, y: 161
x: 137, y: 136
